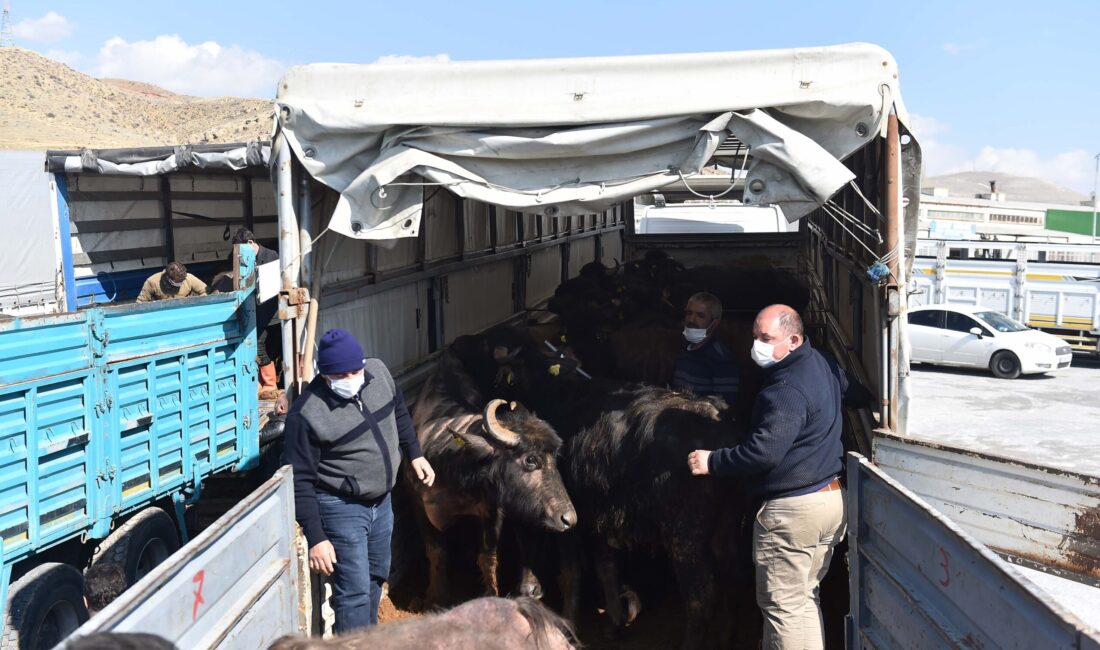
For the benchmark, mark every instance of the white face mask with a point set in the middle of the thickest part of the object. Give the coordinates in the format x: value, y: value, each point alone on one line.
x: 762, y: 353
x: 695, y: 335
x: 348, y: 387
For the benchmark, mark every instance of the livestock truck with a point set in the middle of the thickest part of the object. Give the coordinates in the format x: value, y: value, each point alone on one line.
x: 118, y: 418
x: 420, y: 203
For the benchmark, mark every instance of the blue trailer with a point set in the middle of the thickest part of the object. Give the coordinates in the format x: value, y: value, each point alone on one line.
x: 110, y: 419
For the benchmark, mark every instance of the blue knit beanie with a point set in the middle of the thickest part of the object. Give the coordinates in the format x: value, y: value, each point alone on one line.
x: 339, y: 352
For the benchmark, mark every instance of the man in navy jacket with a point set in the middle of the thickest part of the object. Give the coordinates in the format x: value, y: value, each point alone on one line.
x: 792, y: 462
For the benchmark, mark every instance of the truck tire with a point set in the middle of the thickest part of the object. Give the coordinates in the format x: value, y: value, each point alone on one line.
x: 44, y: 606
x: 144, y: 541
x: 1005, y: 365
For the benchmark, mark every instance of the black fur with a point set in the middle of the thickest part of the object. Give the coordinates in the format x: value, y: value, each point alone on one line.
x: 625, y: 465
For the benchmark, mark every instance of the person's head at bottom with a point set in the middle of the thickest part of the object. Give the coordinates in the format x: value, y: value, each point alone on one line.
x: 340, y: 361
x: 102, y: 584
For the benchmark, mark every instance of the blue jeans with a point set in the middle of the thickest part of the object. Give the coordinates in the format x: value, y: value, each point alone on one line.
x: 360, y: 533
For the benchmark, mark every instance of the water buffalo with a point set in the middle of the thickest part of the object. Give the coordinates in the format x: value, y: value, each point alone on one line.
x: 492, y: 460
x: 624, y: 463
x: 481, y: 624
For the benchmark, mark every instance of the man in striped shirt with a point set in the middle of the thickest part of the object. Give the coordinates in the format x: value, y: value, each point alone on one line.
x: 705, y: 366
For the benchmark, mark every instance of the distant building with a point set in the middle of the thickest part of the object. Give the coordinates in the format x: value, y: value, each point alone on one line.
x: 992, y: 216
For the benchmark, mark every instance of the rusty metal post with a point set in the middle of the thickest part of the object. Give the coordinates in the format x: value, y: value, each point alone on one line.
x: 288, y: 255
x: 892, y: 196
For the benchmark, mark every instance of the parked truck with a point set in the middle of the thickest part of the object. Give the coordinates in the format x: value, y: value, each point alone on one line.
x: 420, y: 203
x: 92, y: 225
x: 112, y: 418
x: 1050, y: 287
x: 120, y: 417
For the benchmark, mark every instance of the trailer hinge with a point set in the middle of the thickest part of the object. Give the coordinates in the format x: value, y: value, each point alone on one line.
x: 100, y: 333
x: 104, y: 405
x: 106, y: 476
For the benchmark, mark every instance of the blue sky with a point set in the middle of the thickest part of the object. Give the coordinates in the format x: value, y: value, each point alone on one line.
x: 1008, y: 86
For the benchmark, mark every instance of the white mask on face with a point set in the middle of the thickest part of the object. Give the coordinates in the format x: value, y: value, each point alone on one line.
x: 762, y: 353
x: 347, y: 387
x: 695, y: 335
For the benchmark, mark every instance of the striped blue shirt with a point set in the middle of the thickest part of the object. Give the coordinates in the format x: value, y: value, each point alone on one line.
x: 710, y: 370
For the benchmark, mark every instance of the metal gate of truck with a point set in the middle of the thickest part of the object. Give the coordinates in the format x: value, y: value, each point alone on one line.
x: 918, y: 581
x: 235, y: 586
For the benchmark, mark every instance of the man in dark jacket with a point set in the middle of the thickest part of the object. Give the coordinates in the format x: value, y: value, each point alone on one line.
x: 345, y: 437
x: 792, y: 461
x: 705, y: 366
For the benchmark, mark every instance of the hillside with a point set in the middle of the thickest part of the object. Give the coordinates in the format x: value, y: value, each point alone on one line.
x: 48, y: 105
x: 1015, y: 188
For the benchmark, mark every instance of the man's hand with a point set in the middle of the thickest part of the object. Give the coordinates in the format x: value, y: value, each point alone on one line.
x: 697, y: 462
x: 423, y: 470
x: 322, y: 558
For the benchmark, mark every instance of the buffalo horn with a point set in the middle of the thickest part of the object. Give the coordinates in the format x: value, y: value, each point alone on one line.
x: 497, y: 430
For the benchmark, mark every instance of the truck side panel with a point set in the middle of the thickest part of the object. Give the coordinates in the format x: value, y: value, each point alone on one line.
x: 105, y: 411
x: 1033, y: 515
x: 919, y: 581
x: 233, y: 586
x: 48, y: 467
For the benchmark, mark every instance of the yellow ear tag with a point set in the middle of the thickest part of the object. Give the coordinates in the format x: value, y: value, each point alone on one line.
x: 458, y: 439
x: 511, y: 379
x: 562, y: 337
x: 555, y: 369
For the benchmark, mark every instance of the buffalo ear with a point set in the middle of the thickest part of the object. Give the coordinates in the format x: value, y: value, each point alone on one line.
x: 476, y: 445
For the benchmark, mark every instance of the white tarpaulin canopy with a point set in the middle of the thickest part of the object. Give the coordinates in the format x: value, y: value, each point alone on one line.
x: 574, y: 136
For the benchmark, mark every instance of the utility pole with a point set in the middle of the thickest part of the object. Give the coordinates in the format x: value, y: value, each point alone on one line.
x: 7, y: 37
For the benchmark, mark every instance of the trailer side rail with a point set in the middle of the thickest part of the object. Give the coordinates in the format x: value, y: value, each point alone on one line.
x: 233, y: 586
x: 919, y: 581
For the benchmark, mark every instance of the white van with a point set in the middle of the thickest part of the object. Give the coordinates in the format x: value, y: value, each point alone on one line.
x: 706, y: 218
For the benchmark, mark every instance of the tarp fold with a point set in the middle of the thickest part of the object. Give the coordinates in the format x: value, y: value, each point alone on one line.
x: 575, y: 136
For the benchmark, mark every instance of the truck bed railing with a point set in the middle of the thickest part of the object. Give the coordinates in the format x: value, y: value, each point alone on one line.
x: 919, y: 581
x: 234, y: 586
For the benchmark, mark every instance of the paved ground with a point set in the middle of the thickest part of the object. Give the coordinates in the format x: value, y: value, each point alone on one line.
x: 1051, y: 419
x: 1048, y: 419
x: 1080, y: 600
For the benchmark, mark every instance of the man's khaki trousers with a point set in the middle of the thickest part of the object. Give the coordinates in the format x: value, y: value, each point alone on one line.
x: 793, y: 540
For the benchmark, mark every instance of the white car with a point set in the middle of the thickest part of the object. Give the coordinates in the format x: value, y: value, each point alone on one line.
x: 978, y: 337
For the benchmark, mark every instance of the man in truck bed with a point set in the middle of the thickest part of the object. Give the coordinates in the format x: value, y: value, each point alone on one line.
x: 173, y: 282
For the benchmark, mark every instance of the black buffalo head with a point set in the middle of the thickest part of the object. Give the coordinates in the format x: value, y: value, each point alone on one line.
x: 520, y: 453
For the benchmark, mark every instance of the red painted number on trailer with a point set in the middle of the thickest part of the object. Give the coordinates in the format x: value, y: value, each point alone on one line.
x: 199, y: 600
x: 946, y: 568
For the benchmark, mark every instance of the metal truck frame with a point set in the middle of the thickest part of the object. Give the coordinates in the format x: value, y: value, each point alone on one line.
x: 114, y: 413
